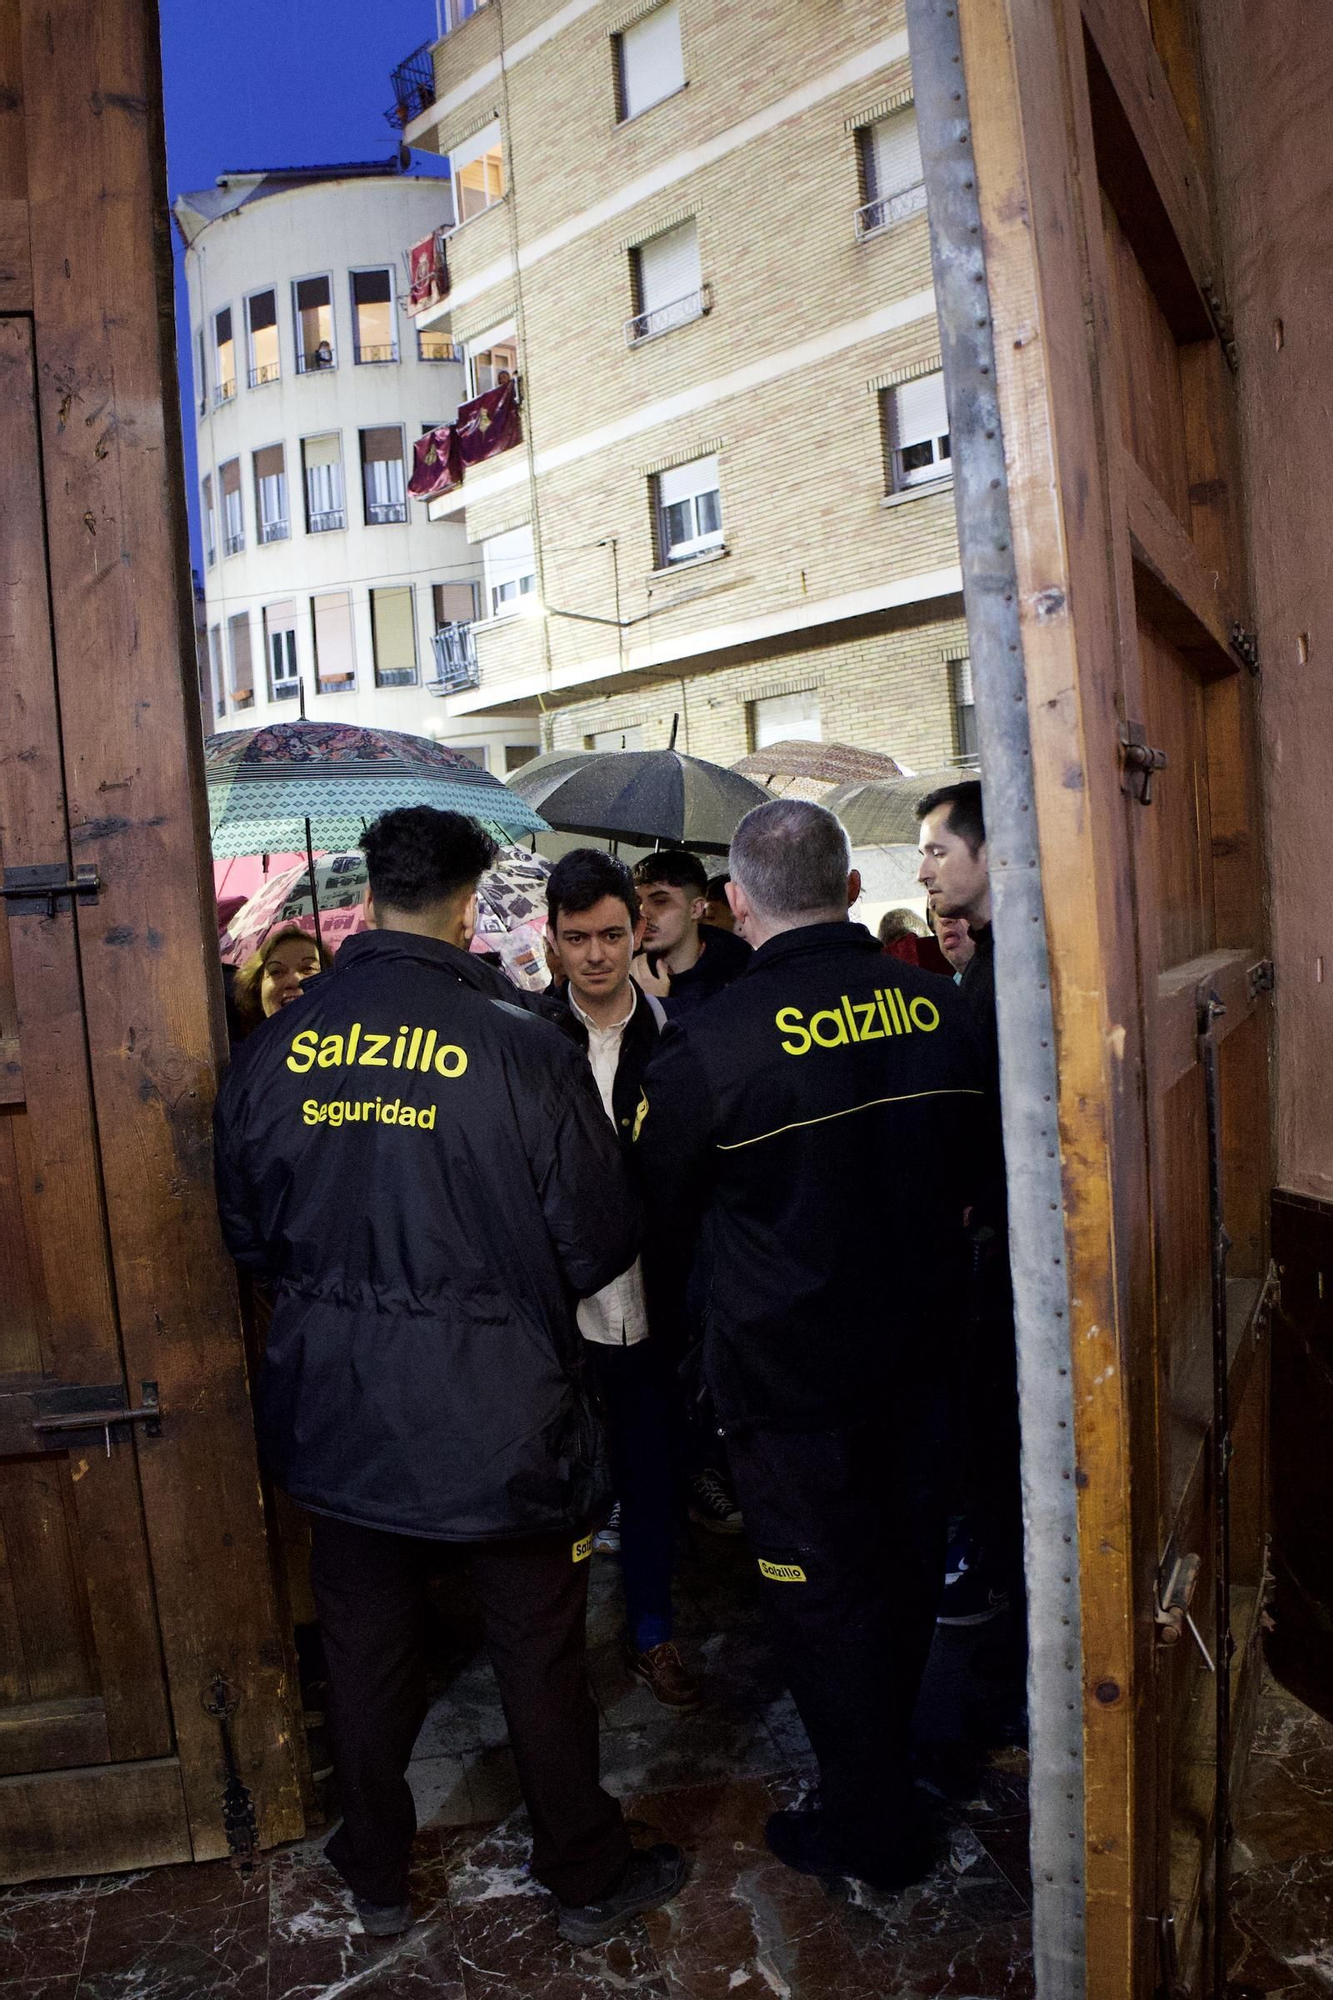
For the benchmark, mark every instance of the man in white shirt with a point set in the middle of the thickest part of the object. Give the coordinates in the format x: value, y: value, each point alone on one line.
x: 596, y: 926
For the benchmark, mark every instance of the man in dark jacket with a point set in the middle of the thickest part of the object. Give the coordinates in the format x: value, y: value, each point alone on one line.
x: 687, y: 960
x: 424, y: 1175
x: 596, y: 923
x: 815, y: 1122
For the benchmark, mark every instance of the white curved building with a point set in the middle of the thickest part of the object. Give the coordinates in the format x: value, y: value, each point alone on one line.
x: 323, y: 580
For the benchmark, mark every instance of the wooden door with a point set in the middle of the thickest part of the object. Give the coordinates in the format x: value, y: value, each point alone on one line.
x: 144, y: 1704
x: 1093, y: 402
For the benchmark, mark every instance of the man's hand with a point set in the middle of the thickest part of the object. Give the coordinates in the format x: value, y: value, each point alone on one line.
x: 657, y: 983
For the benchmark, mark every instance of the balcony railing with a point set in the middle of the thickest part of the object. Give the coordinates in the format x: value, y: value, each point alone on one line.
x: 286, y: 690
x: 274, y: 531
x: 211, y: 555
x: 263, y: 371
x: 890, y: 208
x: 380, y: 512
x: 232, y: 545
x: 224, y: 393
x: 413, y: 83
x: 312, y: 364
x: 385, y: 351
x: 455, y: 660
x: 437, y: 347
x: 663, y: 319
x: 321, y: 524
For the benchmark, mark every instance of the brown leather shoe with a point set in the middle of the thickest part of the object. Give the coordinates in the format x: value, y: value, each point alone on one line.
x: 666, y: 1677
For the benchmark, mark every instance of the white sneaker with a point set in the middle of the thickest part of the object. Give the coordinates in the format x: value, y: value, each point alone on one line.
x: 606, y: 1541
x: 713, y: 1507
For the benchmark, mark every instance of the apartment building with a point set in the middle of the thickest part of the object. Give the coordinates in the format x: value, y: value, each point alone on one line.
x: 697, y: 235
x: 322, y: 582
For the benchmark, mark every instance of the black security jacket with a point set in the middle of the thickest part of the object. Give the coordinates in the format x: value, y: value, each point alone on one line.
x: 638, y: 1046
x: 814, y: 1129
x: 423, y: 1369
x: 724, y: 957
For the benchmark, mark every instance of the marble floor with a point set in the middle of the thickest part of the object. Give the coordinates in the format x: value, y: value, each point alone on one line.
x: 743, y: 1925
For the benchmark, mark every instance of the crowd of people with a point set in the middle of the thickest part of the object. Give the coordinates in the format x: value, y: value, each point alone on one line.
x: 547, y: 1269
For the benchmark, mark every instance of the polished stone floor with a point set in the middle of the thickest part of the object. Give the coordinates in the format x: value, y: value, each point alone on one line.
x: 743, y: 1925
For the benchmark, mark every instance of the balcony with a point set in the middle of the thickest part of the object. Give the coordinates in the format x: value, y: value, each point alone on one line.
x: 263, y: 371
x: 323, y: 524
x: 224, y: 393
x: 665, y: 319
x: 385, y: 351
x: 889, y: 209
x: 312, y: 364
x: 437, y: 347
x: 455, y: 661
x: 413, y: 83
x: 380, y: 513
x: 232, y: 545
x: 286, y: 690
x: 273, y: 531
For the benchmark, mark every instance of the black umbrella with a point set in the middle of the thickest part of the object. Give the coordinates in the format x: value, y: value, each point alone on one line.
x: 645, y: 797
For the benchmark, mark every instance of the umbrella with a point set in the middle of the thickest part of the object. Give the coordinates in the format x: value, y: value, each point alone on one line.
x: 511, y: 909
x: 821, y: 763
x: 647, y: 797
x: 882, y: 812
x: 298, y: 784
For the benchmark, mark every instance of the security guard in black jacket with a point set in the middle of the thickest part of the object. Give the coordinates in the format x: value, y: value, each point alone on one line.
x: 425, y: 1176
x: 814, y: 1127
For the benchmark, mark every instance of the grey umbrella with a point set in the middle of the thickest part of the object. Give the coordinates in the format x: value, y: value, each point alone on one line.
x: 882, y: 812
x: 645, y: 797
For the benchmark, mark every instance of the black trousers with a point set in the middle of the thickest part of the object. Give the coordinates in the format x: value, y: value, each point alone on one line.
x: 370, y: 1595
x: 641, y: 1397
x: 849, y: 1529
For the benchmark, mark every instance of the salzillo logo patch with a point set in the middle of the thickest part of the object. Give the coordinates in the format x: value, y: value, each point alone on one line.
x: 886, y: 1013
x: 582, y: 1549
x: 782, y: 1572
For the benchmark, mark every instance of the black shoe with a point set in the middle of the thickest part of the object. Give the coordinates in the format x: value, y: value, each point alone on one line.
x: 652, y: 1875
x: 383, y: 1919
x: 802, y: 1839
x: 969, y: 1597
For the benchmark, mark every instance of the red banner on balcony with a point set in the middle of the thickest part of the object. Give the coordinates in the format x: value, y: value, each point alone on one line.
x: 436, y: 465
x: 489, y: 424
x: 429, y: 273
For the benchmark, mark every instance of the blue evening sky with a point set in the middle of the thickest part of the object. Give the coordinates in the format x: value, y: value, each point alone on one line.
x: 275, y: 83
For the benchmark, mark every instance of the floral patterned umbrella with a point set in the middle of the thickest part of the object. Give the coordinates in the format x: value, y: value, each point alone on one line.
x: 511, y: 909
x: 291, y: 785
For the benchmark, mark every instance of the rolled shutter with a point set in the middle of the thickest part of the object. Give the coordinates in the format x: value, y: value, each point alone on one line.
x: 335, y: 649
x: 669, y: 267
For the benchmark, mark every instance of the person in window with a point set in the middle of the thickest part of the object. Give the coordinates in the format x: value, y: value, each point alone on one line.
x: 272, y: 977
x: 323, y: 356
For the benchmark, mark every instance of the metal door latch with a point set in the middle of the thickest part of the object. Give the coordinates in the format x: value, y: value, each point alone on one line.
x: 1139, y: 760
x: 149, y: 1414
x: 1172, y: 1611
x: 49, y: 882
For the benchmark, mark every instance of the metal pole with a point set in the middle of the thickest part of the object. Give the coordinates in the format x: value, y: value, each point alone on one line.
x: 314, y: 890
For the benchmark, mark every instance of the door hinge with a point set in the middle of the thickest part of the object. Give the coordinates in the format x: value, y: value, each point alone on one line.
x: 1261, y: 978
x: 1223, y: 327
x: 49, y: 882
x: 1245, y: 645
x: 1138, y: 761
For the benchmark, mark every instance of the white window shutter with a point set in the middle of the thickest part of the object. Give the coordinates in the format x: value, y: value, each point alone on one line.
x: 669, y: 267
x: 682, y: 482
x: 894, y: 154
x: 919, y: 410
x: 651, y: 62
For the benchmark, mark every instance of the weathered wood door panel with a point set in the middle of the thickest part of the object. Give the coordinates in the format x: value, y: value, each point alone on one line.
x: 145, y: 1712
x: 1118, y: 717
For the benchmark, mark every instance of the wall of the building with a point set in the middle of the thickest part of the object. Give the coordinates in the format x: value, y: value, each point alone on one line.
x: 333, y: 227
x: 781, y: 378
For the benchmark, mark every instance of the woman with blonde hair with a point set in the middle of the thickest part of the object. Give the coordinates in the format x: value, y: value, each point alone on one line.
x: 273, y: 976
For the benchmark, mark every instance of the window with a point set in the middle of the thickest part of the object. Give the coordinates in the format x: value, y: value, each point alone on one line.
x: 274, y: 522
x: 383, y: 481
x: 892, y: 177
x: 284, y: 682
x: 322, y: 468
x: 616, y: 739
x: 916, y: 432
x: 313, y: 303
x: 394, y: 634
x: 233, y: 519
x: 489, y: 358
x: 335, y: 642
x: 224, y: 358
x: 238, y: 644
x: 210, y: 522
x: 667, y: 283
x: 517, y: 755
x: 453, y: 604
x: 200, y: 351
x: 374, y: 335
x: 784, y: 718
x: 510, y: 569
x: 433, y: 346
x: 689, y: 510
x: 261, y: 326
x: 478, y: 172
x: 966, y: 746
x: 215, y: 664
x: 649, y: 63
